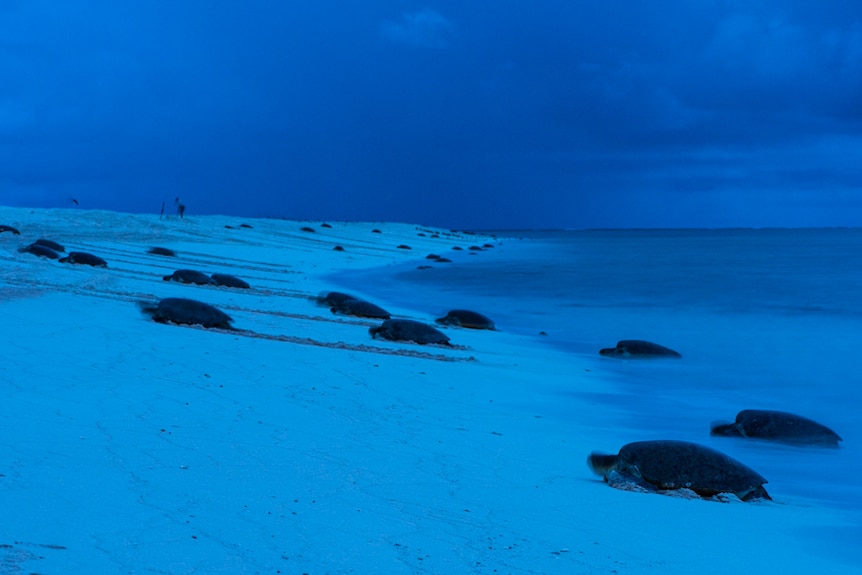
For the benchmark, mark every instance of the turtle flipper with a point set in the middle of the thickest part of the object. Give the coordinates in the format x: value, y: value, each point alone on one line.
x: 726, y: 429
x: 627, y: 482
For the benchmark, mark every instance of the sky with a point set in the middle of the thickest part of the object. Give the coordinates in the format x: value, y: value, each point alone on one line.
x: 481, y: 115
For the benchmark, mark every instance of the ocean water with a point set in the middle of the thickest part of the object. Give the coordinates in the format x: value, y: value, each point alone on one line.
x: 768, y: 319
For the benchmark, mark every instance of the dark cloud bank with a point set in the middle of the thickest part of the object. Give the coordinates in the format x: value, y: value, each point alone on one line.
x: 484, y: 115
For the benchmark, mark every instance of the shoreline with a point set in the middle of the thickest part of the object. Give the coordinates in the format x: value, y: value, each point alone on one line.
x: 139, y: 447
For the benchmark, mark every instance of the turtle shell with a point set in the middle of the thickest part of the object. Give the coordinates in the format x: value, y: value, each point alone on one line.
x: 159, y: 251
x: 189, y: 277
x: 187, y: 311
x: 228, y: 280
x: 638, y: 348
x: 334, y: 298
x: 49, y: 244
x: 39, y: 250
x: 409, y: 330
x: 84, y: 258
x: 466, y: 318
x: 360, y: 308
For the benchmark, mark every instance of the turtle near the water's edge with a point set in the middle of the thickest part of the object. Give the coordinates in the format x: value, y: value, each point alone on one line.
x: 409, y: 330
x: 771, y: 425
x: 638, y: 349
x: 669, y: 464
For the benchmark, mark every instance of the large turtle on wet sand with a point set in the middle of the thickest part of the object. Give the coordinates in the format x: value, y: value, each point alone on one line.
x: 347, y: 304
x: 466, y: 318
x: 777, y: 426
x: 39, y: 250
x: 49, y: 244
x: 190, y: 277
x: 360, y: 308
x: 409, y: 330
x: 669, y: 464
x: 228, y: 280
x: 334, y: 298
x: 160, y: 251
x: 186, y: 311
x: 84, y: 258
x: 638, y: 349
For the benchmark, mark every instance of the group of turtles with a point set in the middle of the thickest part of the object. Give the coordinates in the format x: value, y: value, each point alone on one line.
x: 645, y: 465
x: 185, y: 276
x: 50, y: 249
x: 187, y: 311
x: 407, y: 330
x: 671, y: 465
x: 45, y: 248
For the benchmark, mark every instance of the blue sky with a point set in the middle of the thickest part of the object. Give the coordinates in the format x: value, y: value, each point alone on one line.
x: 548, y: 113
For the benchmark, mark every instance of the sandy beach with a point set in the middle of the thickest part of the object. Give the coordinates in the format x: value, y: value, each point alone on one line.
x: 299, y: 444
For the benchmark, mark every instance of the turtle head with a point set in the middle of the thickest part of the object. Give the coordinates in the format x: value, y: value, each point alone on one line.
x: 148, y: 308
x: 725, y: 429
x: 754, y: 494
x: 602, y: 463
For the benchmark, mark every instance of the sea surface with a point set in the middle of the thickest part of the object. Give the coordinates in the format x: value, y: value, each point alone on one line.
x: 764, y: 318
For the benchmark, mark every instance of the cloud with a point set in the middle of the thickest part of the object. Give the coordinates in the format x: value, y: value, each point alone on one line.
x: 426, y: 28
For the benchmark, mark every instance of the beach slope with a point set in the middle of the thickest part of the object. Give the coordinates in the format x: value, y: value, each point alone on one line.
x: 296, y: 443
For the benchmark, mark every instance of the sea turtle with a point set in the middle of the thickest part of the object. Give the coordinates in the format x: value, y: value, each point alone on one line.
x: 669, y: 464
x: 39, y: 250
x: 186, y: 311
x: 189, y: 277
x: 85, y: 259
x: 347, y: 304
x: 334, y: 298
x: 49, y: 244
x: 360, y: 308
x: 638, y: 349
x: 777, y: 426
x: 159, y: 251
x: 228, y: 280
x: 466, y: 318
x: 408, y: 330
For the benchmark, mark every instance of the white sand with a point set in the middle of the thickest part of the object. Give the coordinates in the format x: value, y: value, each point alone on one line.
x: 135, y: 447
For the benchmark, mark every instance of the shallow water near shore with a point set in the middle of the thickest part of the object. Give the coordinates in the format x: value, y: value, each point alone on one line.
x: 765, y: 319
